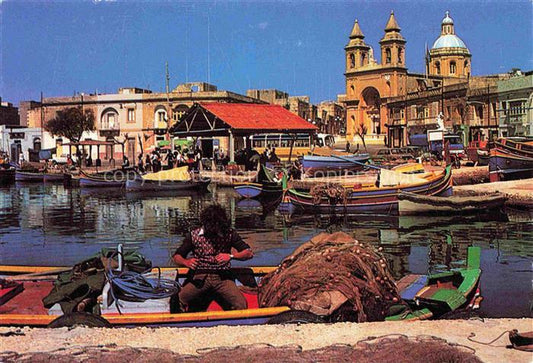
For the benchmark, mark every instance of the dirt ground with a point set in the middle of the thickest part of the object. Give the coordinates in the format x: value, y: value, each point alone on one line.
x: 268, y: 343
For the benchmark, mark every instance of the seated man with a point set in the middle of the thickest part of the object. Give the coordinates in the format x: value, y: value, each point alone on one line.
x: 209, y: 276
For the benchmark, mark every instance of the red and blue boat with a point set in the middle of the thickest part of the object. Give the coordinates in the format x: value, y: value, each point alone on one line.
x: 320, y: 165
x: 368, y: 198
x: 511, y: 158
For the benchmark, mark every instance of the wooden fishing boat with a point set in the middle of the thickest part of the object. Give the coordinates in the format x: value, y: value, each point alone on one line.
x: 109, y: 179
x: 318, y: 165
x: 26, y: 307
x: 511, y: 159
x: 430, y: 296
x: 369, y: 198
x: 411, y: 204
x: 53, y: 177
x: 165, y: 181
x: 26, y: 176
x: 266, y: 186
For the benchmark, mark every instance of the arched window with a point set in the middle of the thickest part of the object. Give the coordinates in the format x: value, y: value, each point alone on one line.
x: 363, y: 59
x: 352, y: 88
x: 453, y: 67
x: 178, y: 112
x: 465, y: 69
x: 387, y: 56
x: 109, y: 119
x: 437, y: 67
x: 352, y: 60
x: 400, y: 55
x: 160, y: 117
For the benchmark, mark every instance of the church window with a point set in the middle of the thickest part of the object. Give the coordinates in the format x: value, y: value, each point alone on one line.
x: 400, y: 56
x: 387, y: 56
x: 363, y: 58
x: 437, y: 67
x: 352, y: 60
x: 353, y: 89
x: 453, y: 67
x: 466, y: 68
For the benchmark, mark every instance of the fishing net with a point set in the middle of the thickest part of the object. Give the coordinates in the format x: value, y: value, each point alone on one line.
x: 335, y: 193
x: 335, y: 276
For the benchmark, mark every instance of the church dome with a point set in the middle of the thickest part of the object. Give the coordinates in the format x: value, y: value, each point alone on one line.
x: 449, y: 41
x: 447, y: 19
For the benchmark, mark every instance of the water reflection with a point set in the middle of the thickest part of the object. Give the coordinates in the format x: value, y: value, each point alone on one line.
x: 50, y: 225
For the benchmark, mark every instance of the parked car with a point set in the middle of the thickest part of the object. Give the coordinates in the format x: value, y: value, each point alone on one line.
x: 416, y: 151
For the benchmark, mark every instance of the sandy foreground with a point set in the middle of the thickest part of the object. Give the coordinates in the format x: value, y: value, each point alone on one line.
x: 307, y: 336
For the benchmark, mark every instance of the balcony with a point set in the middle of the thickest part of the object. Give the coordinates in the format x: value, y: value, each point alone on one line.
x: 107, y: 130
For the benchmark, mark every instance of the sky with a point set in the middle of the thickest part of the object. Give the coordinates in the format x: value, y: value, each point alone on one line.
x: 61, y: 48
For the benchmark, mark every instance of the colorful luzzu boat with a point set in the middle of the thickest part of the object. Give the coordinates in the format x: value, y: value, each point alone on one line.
x: 369, y: 198
x: 511, y: 159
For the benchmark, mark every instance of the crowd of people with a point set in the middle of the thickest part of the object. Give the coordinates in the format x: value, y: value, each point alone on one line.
x: 158, y: 160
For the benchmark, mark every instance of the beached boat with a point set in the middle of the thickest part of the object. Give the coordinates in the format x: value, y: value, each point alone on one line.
x: 430, y: 296
x: 318, y: 165
x: 411, y: 204
x: 266, y: 186
x: 26, y: 176
x: 176, y: 179
x: 511, y: 159
x: 369, y: 198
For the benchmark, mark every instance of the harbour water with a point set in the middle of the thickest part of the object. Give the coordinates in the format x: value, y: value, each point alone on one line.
x: 50, y: 225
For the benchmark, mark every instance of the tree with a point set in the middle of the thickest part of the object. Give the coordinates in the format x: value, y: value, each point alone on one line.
x: 362, y: 131
x: 71, y: 123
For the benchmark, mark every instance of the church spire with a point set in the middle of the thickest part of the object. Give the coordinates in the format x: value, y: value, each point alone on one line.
x: 392, y: 24
x: 356, y: 31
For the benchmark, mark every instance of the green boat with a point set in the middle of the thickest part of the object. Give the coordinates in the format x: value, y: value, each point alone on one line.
x: 430, y: 296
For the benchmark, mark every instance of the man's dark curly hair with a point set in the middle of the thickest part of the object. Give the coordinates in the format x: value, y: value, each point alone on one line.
x: 215, y: 221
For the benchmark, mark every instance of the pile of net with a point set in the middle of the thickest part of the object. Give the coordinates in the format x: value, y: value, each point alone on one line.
x: 335, y: 193
x: 334, y: 276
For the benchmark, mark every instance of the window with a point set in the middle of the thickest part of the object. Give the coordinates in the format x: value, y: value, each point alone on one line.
x: 387, y: 56
x: 37, y: 144
x: 465, y: 70
x: 480, y: 111
x: 453, y: 67
x: 352, y: 60
x: 131, y: 115
x: 363, y: 58
x: 160, y: 118
x: 111, y: 120
x: 402, y: 114
x: 400, y: 56
x: 437, y: 67
x: 426, y: 112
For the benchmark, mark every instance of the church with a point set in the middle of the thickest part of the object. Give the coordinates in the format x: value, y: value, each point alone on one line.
x: 387, y: 104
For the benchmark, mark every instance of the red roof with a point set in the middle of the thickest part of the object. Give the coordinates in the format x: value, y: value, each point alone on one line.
x: 250, y: 116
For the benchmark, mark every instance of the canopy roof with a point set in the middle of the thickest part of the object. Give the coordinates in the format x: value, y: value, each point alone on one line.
x: 218, y: 119
x: 91, y: 143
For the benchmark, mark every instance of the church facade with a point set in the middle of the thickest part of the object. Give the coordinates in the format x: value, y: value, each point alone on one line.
x: 387, y: 104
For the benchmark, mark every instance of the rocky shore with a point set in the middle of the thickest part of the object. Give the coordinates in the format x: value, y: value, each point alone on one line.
x: 79, y: 344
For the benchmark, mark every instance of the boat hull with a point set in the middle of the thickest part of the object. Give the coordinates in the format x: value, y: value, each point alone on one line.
x: 53, y: 177
x: 414, y: 204
x: 506, y: 165
x: 22, y: 176
x: 248, y: 190
x: 369, y: 200
x: 315, y: 165
x: 7, y: 176
x: 138, y: 184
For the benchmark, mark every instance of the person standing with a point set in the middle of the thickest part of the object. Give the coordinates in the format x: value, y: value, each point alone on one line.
x: 347, y: 146
x: 140, y: 163
x: 212, y: 247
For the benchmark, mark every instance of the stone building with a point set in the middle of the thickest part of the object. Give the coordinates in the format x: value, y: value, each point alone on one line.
x: 515, y: 107
x: 331, y: 117
x: 133, y: 116
x: 9, y: 114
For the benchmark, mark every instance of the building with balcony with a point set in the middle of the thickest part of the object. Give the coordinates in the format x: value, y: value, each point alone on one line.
x: 137, y: 118
x: 515, y: 104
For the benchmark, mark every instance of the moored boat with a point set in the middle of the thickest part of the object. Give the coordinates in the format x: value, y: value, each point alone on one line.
x: 266, y: 186
x: 7, y: 175
x: 176, y: 179
x: 53, y: 177
x: 430, y: 296
x: 26, y: 308
x: 369, y: 198
x: 412, y: 204
x: 511, y: 159
x: 109, y: 179
x: 26, y: 176
x: 317, y: 165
